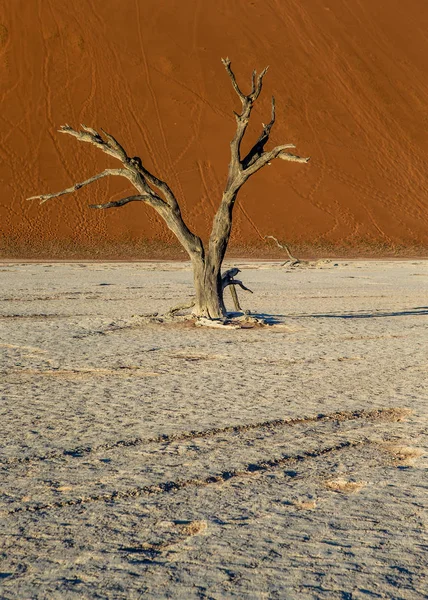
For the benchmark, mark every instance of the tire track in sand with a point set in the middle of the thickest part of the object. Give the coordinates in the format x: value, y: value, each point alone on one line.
x: 383, y: 414
x: 166, y: 487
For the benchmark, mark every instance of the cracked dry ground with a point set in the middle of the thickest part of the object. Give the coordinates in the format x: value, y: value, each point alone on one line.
x: 142, y: 459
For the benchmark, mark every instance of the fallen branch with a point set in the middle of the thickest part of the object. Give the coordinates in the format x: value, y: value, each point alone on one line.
x: 293, y: 260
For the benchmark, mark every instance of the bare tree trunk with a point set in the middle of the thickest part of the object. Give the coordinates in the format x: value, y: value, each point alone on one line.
x: 209, y: 296
x: 209, y: 291
x: 208, y: 281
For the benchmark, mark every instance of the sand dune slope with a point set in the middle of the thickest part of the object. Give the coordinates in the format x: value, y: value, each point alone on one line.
x: 351, y: 82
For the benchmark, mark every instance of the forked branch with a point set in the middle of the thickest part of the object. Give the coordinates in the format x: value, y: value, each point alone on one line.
x: 257, y: 150
x: 257, y: 157
x: 152, y: 190
x: 162, y: 186
x: 256, y: 87
x: 242, y: 119
x: 134, y: 167
x: 133, y: 170
x: 110, y: 146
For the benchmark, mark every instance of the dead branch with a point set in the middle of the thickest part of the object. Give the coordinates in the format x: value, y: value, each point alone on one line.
x: 156, y: 182
x: 228, y: 275
x: 258, y: 148
x: 147, y: 184
x: 240, y: 170
x: 235, y: 298
x: 44, y: 197
x: 113, y: 144
x: 293, y: 259
x: 283, y: 247
x: 122, y: 202
x: 89, y: 135
x: 288, y: 156
x: 256, y: 87
x: 242, y: 119
x: 134, y: 167
x: 227, y: 62
x: 228, y: 279
x: 241, y: 285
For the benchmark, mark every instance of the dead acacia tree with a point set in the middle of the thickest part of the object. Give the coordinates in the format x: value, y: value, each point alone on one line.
x: 207, y: 261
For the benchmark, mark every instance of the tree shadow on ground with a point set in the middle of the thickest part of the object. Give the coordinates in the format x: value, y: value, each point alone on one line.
x: 418, y: 311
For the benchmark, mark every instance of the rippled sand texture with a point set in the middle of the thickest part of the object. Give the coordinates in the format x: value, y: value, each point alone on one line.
x: 146, y: 459
x: 350, y: 79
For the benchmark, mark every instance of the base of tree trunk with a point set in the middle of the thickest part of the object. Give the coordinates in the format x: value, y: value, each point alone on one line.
x: 231, y: 321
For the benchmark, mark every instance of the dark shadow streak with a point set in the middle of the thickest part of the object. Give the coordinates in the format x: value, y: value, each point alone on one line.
x: 372, y: 315
x: 279, y: 319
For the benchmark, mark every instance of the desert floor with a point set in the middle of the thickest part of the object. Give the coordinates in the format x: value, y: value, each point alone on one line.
x: 148, y: 459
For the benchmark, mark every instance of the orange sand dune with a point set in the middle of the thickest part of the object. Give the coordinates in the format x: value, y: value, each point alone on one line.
x: 351, y: 83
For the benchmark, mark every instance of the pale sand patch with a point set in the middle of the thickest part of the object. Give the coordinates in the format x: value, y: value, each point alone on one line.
x: 193, y: 528
x: 404, y: 455
x: 345, y: 486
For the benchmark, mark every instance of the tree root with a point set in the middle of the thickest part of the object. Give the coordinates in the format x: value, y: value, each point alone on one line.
x: 231, y: 321
x: 244, y: 321
x: 182, y: 306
